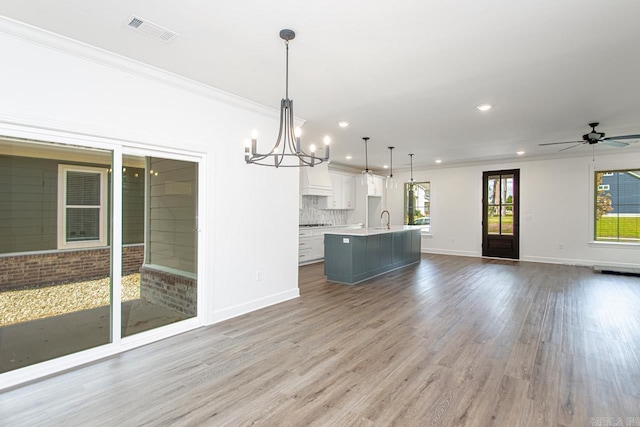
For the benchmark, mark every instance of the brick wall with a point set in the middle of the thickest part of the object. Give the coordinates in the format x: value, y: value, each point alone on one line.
x: 170, y: 290
x: 33, y: 270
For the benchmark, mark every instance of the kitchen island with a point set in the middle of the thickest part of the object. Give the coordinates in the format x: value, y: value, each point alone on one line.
x: 353, y: 256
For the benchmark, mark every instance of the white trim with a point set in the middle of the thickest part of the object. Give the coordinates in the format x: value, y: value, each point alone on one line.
x: 62, y: 208
x: 54, y: 366
x: 103, y: 57
x: 116, y: 245
x: 249, y: 306
x: 37, y: 371
x: 204, y: 292
x: 616, y: 245
x: 625, y: 165
x: 578, y: 262
x: 170, y: 270
x: 474, y: 254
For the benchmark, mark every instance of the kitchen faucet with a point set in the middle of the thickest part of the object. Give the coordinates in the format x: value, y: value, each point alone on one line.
x: 388, y: 218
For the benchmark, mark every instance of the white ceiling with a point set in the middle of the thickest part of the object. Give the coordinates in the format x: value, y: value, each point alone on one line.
x: 406, y: 73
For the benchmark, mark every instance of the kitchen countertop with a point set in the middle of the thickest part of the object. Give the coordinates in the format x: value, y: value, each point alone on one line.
x: 374, y: 230
x: 320, y: 227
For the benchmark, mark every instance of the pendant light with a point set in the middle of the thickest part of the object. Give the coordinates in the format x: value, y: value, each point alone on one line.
x: 287, y: 151
x: 390, y: 182
x: 367, y: 175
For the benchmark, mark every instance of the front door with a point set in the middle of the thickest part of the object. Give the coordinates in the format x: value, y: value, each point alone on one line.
x: 500, y: 214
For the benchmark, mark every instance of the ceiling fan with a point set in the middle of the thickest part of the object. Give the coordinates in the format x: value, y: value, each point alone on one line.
x: 594, y: 137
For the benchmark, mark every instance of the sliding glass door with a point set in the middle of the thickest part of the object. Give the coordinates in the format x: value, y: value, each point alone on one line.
x: 159, y: 236
x: 81, y: 227
x: 55, y: 256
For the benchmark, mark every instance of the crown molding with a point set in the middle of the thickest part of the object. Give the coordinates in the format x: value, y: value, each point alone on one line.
x: 103, y: 57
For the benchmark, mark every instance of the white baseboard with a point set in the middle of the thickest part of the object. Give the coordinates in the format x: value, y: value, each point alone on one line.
x: 246, y: 307
x: 450, y: 252
x: 579, y: 262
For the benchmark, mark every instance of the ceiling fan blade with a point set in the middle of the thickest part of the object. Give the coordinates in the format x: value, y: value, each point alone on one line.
x: 569, y: 148
x: 555, y: 143
x: 623, y: 137
x: 613, y: 143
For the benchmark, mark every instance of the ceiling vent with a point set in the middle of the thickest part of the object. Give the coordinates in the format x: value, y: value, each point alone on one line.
x: 150, y: 29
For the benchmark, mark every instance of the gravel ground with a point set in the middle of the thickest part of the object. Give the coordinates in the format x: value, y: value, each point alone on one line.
x: 31, y: 304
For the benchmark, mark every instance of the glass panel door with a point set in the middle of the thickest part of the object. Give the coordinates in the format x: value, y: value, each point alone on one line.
x: 159, y: 235
x: 55, y: 258
x: 500, y: 214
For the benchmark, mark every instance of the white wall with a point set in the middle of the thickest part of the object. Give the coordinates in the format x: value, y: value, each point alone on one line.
x: 555, y: 209
x: 251, y: 213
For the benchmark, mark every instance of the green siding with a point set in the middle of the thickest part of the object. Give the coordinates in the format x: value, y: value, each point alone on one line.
x: 133, y: 205
x: 173, y: 201
x: 29, y: 204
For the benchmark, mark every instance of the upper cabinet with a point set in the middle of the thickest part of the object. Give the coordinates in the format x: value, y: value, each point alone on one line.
x: 315, y: 181
x: 343, y: 194
x: 376, y: 187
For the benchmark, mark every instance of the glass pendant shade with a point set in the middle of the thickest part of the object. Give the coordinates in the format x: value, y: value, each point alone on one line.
x: 390, y: 182
x: 367, y: 177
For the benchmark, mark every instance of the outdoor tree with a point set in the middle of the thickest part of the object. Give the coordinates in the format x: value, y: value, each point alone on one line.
x: 603, y: 199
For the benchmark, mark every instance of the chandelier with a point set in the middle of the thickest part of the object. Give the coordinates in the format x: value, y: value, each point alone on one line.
x: 287, y: 151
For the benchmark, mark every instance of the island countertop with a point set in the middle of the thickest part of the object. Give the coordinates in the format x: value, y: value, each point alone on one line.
x: 371, y: 231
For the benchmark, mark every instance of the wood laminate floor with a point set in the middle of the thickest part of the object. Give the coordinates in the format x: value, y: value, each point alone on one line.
x: 450, y: 341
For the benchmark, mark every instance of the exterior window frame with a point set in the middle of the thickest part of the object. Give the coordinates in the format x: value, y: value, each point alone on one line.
x: 63, y: 169
x: 607, y: 169
x: 426, y: 228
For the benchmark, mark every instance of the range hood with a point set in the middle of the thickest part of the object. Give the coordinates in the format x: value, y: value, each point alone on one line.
x: 315, y: 181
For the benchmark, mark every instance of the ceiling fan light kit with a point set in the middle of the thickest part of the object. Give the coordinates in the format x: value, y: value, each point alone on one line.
x: 595, y: 137
x: 287, y: 151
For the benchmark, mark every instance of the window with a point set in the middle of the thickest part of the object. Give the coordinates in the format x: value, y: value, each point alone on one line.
x: 417, y: 204
x: 82, y: 206
x: 617, y: 206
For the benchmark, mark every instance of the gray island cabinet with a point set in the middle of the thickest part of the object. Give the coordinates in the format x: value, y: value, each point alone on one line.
x: 353, y: 256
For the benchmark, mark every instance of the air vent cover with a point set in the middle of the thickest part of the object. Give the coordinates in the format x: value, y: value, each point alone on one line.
x: 150, y: 29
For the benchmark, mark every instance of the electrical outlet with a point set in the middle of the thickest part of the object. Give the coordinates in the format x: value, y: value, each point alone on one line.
x: 560, y: 246
x: 453, y: 240
x: 258, y: 276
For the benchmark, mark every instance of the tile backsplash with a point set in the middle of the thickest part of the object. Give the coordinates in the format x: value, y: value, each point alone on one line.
x: 311, y: 214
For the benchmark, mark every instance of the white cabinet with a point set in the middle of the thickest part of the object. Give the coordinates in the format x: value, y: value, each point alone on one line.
x: 343, y: 194
x: 314, y: 181
x: 310, y: 246
x: 317, y: 247
x: 376, y: 187
x: 348, y: 192
x: 305, y: 243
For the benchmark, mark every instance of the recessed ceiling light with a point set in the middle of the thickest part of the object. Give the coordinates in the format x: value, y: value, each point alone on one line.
x: 348, y: 157
x: 520, y: 153
x: 343, y: 124
x: 385, y: 167
x: 484, y: 107
x: 438, y: 161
